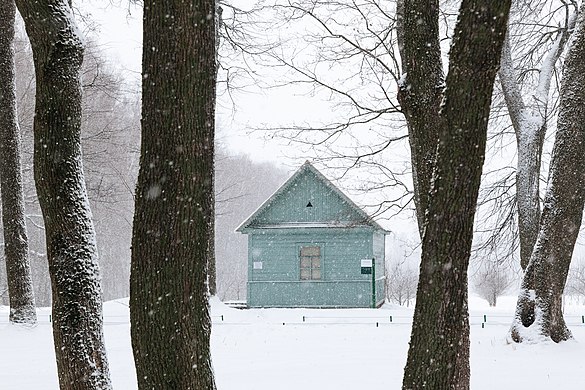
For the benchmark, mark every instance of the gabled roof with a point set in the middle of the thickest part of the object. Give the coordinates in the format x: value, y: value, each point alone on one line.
x: 307, y: 166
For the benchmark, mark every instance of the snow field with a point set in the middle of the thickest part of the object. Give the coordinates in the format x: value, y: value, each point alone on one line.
x: 331, y: 349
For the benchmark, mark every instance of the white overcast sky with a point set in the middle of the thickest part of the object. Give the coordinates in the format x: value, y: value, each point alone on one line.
x: 119, y: 32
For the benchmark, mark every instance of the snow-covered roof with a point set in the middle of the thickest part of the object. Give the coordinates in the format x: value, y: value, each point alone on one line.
x: 367, y: 220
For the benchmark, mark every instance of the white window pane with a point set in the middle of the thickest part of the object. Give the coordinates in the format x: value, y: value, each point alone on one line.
x: 316, y: 262
x: 305, y: 274
x: 305, y: 262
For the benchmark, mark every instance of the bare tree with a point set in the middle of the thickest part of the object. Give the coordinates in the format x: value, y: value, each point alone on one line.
x: 320, y: 42
x: 401, y: 282
x: 241, y: 186
x: 540, y: 300
x: 110, y: 139
x: 440, y: 359
x: 18, y: 271
x: 575, y: 285
x: 530, y: 113
x: 69, y: 231
x: 491, y: 281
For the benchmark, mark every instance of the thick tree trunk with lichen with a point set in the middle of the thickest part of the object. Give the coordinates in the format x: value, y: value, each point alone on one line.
x: 539, y: 305
x: 20, y: 289
x: 440, y: 359
x: 71, y: 247
x: 172, y: 242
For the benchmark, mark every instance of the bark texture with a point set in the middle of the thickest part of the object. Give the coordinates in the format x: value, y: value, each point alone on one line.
x: 212, y: 259
x: 539, y: 310
x: 529, y: 120
x: 71, y: 247
x: 421, y: 91
x: 438, y: 357
x: 20, y: 290
x: 530, y: 129
x: 174, y: 214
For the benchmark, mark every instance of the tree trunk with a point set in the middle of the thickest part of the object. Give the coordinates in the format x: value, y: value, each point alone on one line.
x: 439, y: 359
x: 174, y: 214
x: 530, y: 129
x: 420, y: 91
x: 212, y: 267
x: 540, y: 301
x: 212, y: 260
x: 528, y: 189
x: 69, y: 231
x: 530, y: 125
x: 20, y: 289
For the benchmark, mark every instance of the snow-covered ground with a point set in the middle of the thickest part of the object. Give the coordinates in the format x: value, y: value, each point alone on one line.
x: 270, y: 349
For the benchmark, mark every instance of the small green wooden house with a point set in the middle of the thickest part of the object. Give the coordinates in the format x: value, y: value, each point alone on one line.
x: 309, y: 245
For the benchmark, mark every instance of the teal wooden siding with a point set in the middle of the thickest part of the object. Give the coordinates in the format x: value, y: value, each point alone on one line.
x: 309, y: 294
x: 278, y: 282
x: 291, y: 205
x: 278, y: 251
x: 344, y: 234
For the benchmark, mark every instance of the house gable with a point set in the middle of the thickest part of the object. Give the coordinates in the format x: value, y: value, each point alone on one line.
x: 308, y: 199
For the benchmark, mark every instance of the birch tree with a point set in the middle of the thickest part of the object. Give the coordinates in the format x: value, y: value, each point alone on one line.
x: 18, y: 271
x: 174, y: 212
x: 69, y: 232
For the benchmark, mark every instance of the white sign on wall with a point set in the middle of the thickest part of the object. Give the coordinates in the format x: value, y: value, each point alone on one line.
x: 257, y: 265
x: 366, y: 262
